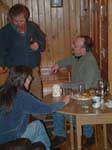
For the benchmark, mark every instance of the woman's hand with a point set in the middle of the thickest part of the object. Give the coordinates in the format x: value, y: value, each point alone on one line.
x: 54, y: 68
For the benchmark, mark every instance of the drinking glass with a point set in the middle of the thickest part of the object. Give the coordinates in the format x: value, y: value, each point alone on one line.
x: 107, y: 88
x: 66, y: 89
x: 81, y: 88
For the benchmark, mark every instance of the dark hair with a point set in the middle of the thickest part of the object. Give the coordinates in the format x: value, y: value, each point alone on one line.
x: 18, y: 9
x: 88, y: 44
x: 16, y: 79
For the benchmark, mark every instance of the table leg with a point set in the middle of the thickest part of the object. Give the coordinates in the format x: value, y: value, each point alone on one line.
x: 79, y: 133
x: 71, y: 134
x: 105, y: 136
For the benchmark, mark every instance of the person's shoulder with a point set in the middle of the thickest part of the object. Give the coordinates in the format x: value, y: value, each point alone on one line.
x: 32, y: 24
x: 23, y: 93
x: 90, y: 55
x: 35, y: 27
x: 5, y: 28
x: 91, y: 58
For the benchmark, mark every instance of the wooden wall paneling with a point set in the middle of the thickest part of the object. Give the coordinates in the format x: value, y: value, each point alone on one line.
x: 3, y: 13
x: 109, y: 129
x: 60, y: 34
x: 110, y: 43
x: 28, y: 3
x: 35, y: 15
x: 3, y: 19
x: 42, y: 22
x: 54, y: 33
x: 22, y: 2
x: 66, y: 26
x: 47, y: 56
x: 42, y: 14
x: 96, y: 29
x: 15, y: 2
x: 99, y: 26
x: 100, y: 35
x: 103, y: 38
x: 84, y: 17
x: 96, y: 35
x: 91, y: 17
x: 104, y: 49
x: 8, y: 2
x: 77, y: 17
x: 97, y: 32
x: 73, y: 15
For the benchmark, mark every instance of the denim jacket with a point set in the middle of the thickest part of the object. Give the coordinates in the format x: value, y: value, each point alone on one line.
x: 13, y: 124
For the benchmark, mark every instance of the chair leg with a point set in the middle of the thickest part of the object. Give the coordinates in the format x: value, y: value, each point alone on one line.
x: 38, y: 146
x: 18, y: 144
x: 95, y: 134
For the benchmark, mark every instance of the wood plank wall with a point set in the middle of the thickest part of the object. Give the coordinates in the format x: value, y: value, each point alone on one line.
x: 110, y: 43
x: 59, y: 24
x: 62, y: 24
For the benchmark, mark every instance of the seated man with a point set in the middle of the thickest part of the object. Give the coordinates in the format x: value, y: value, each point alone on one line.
x: 84, y: 69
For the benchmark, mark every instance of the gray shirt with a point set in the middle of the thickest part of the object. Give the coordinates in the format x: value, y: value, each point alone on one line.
x: 84, y: 70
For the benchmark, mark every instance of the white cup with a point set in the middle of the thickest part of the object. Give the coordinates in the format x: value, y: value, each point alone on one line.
x: 110, y: 102
x: 56, y: 90
x: 96, y: 102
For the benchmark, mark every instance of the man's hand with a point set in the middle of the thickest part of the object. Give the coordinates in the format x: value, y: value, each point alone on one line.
x: 54, y: 68
x: 66, y: 99
x: 34, y: 46
x: 3, y: 69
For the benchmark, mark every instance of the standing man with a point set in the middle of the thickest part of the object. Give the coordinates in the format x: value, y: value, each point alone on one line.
x: 84, y: 69
x: 21, y: 43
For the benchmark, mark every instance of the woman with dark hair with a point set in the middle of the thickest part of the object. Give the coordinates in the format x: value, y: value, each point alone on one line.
x: 16, y: 104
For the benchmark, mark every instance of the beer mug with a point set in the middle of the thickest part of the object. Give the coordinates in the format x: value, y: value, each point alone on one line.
x: 56, y: 90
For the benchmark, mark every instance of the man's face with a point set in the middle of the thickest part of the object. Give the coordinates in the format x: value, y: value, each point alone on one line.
x: 78, y: 47
x: 20, y: 22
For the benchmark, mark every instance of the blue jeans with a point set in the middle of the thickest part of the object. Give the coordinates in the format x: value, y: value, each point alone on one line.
x: 59, y: 126
x: 35, y: 131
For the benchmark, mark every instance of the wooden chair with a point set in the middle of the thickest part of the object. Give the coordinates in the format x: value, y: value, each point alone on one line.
x: 22, y: 144
x: 48, y: 80
x: 3, y: 76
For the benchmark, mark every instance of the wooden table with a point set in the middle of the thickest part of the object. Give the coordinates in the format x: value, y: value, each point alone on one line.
x: 84, y: 116
x: 3, y: 76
